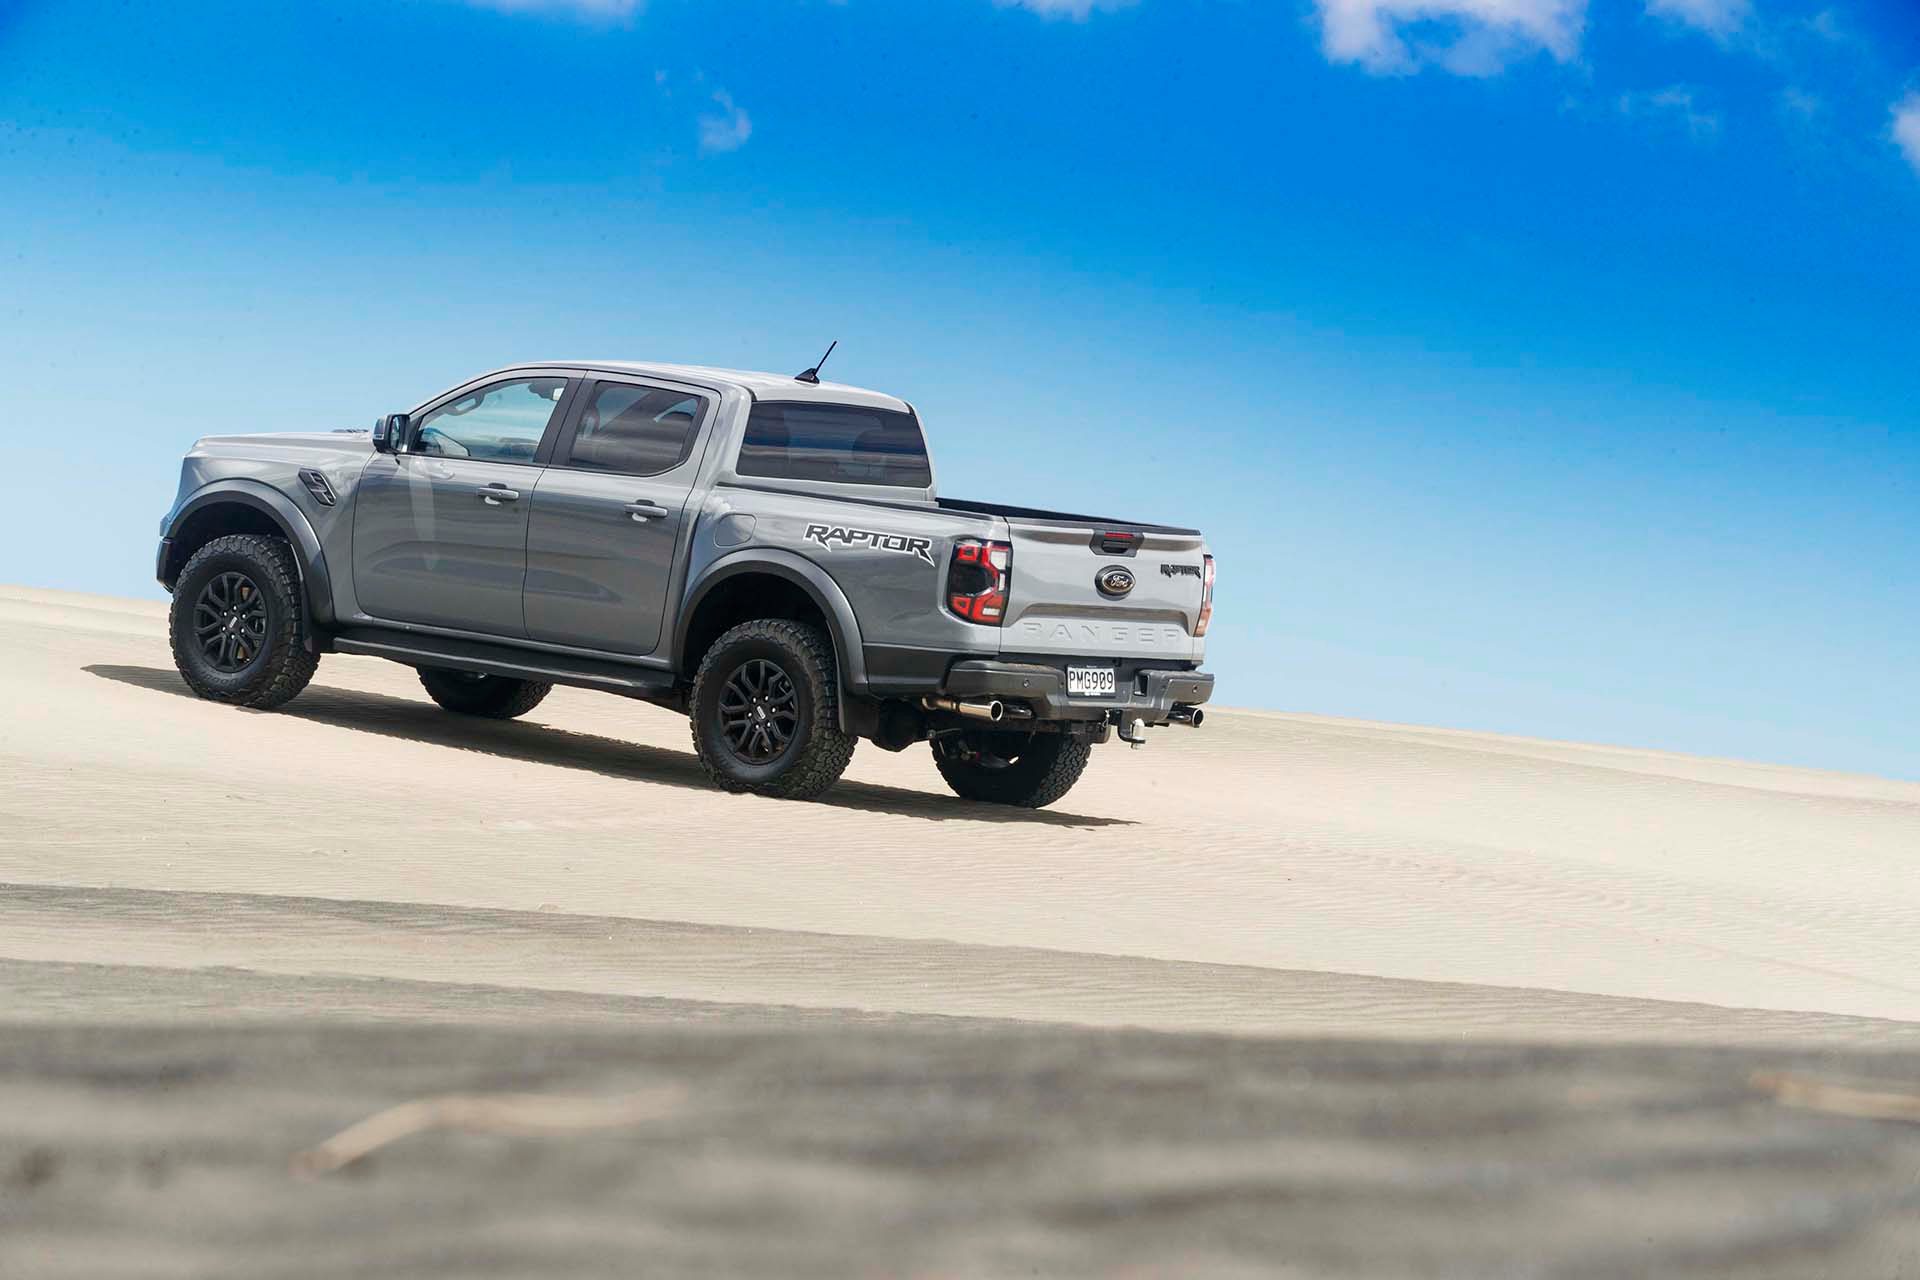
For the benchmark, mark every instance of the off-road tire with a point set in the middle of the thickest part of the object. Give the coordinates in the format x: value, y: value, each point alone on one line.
x: 816, y: 754
x: 279, y: 664
x: 999, y: 766
x: 495, y: 697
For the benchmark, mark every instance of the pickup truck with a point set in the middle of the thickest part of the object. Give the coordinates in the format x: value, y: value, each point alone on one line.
x: 762, y: 553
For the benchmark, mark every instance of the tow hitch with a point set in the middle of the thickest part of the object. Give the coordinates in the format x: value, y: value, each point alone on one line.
x: 1132, y: 731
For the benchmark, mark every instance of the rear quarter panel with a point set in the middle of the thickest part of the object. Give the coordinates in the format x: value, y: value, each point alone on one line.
x: 888, y: 560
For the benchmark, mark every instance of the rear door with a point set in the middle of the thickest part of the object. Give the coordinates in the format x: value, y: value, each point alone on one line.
x: 440, y: 531
x: 1106, y: 591
x: 610, y: 513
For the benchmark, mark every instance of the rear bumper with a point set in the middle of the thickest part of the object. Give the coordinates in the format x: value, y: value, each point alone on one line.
x: 1148, y: 694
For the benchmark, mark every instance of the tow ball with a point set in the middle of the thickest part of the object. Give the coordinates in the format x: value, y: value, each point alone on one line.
x: 1133, y: 729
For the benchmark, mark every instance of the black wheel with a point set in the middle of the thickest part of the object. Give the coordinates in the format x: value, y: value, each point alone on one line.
x: 1002, y: 766
x: 235, y: 622
x: 471, y: 694
x: 766, y: 713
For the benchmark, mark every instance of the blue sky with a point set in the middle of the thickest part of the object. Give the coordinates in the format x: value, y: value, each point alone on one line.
x: 1545, y: 366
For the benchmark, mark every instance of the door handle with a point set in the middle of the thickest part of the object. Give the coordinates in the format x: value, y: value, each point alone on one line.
x: 495, y: 494
x: 644, y: 511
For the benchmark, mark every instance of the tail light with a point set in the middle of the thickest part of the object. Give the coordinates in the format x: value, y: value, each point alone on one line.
x: 1206, y: 596
x: 977, y: 580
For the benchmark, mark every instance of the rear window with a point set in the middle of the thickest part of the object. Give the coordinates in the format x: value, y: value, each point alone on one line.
x: 834, y: 444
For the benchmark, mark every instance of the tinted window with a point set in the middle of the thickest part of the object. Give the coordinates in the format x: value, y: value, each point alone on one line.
x: 834, y: 443
x: 640, y: 431
x: 500, y: 423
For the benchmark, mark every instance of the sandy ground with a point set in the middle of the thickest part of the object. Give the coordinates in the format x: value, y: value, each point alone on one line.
x: 1329, y: 938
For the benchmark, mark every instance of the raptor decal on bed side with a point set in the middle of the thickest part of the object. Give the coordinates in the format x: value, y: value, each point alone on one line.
x: 832, y: 535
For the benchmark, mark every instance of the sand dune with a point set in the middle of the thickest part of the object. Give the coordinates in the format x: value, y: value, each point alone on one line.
x: 1268, y: 872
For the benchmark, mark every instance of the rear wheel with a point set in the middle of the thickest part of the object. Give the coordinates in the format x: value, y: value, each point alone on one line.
x: 495, y: 697
x: 234, y: 625
x: 1002, y: 766
x: 766, y: 711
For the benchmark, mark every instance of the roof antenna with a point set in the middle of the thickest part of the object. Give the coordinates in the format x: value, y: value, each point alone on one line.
x: 812, y: 376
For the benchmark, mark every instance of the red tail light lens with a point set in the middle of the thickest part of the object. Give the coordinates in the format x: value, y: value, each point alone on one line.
x: 978, y: 577
x: 1206, y: 596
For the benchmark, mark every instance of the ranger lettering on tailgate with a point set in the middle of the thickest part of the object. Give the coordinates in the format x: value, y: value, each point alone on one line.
x: 1145, y: 634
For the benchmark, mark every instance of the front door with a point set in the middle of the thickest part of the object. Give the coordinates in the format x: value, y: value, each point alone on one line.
x: 440, y: 531
x: 608, y: 515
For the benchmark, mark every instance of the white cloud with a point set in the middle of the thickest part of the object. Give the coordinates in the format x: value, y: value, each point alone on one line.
x: 1906, y: 128
x: 1078, y: 10
x: 1674, y: 103
x: 594, y: 10
x: 1715, y: 17
x: 1475, y: 37
x: 727, y: 130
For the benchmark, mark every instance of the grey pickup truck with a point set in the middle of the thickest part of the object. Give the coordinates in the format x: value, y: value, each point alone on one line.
x: 763, y: 553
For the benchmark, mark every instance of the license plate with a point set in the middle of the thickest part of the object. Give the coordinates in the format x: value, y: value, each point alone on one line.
x: 1090, y: 682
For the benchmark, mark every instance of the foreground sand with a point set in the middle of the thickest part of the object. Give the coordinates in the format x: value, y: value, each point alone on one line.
x: 802, y: 1143
x: 1402, y: 1001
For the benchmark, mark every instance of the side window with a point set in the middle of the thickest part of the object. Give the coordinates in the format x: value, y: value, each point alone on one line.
x: 637, y: 431
x: 500, y: 423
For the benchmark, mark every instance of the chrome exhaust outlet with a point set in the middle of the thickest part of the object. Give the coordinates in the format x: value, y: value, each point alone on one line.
x: 992, y: 710
x: 1192, y: 717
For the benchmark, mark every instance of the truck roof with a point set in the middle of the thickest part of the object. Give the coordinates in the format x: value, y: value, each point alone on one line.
x: 763, y: 386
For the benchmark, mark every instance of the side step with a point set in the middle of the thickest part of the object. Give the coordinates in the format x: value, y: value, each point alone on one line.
x: 419, y: 649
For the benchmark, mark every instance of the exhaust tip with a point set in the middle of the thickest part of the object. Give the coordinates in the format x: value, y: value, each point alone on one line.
x: 1192, y: 717
x: 992, y: 710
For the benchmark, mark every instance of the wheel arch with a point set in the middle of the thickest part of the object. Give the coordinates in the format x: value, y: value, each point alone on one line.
x: 249, y: 506
x: 721, y: 597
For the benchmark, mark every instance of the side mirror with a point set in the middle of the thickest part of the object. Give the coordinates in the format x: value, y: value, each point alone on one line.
x: 390, y: 433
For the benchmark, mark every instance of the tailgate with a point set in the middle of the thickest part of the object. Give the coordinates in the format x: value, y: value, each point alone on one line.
x: 1091, y: 590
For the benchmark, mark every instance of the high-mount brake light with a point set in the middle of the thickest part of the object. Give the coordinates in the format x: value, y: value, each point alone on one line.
x: 1206, y: 596
x: 978, y: 577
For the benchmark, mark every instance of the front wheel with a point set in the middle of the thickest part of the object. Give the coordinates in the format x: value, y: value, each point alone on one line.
x: 235, y: 624
x: 766, y: 712
x: 1002, y: 766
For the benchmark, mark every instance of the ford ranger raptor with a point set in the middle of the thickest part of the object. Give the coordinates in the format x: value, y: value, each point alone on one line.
x: 765, y: 554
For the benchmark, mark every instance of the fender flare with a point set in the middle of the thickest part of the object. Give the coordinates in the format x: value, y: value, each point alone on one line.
x: 316, y: 582
x: 810, y: 578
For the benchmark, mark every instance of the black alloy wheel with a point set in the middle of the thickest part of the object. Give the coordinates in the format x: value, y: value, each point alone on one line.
x: 236, y: 621
x: 765, y: 710
x: 759, y: 711
x: 230, y: 622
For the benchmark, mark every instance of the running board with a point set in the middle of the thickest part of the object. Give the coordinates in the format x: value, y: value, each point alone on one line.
x: 418, y: 649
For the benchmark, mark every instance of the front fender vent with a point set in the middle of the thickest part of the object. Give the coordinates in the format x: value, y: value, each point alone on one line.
x: 317, y: 486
